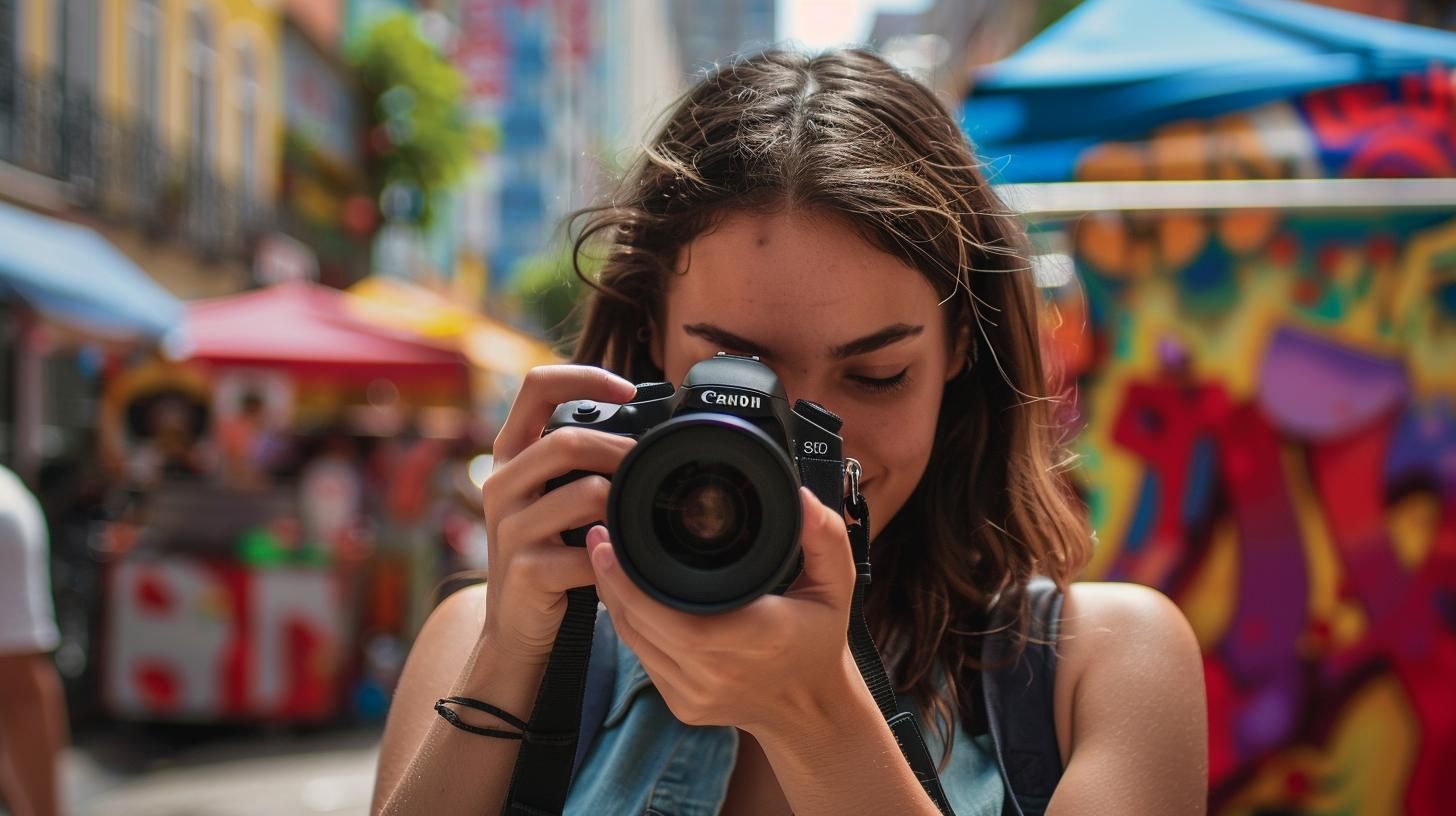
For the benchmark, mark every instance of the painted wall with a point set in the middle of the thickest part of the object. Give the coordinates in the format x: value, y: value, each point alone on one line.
x: 1269, y: 402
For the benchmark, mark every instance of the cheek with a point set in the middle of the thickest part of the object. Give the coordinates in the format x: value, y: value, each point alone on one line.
x: 893, y: 441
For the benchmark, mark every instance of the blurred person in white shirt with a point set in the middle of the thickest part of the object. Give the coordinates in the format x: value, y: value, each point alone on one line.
x: 32, y: 705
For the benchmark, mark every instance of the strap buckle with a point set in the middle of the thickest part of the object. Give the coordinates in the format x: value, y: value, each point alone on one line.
x: 855, y: 504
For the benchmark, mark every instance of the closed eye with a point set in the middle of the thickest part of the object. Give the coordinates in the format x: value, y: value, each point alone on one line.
x: 881, y: 384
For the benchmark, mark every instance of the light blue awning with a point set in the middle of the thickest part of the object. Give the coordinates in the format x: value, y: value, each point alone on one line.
x: 72, y: 275
x: 1117, y: 69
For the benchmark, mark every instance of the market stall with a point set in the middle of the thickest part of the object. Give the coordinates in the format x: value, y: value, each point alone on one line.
x: 499, y: 355
x: 264, y: 571
x: 1257, y: 202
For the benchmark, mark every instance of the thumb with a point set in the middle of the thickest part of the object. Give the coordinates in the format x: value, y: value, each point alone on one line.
x: 828, y: 560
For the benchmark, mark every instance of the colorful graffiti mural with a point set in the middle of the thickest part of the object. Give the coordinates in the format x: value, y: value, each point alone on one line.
x: 1270, y: 438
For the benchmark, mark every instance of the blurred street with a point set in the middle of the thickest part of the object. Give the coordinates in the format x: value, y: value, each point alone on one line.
x: 215, y: 771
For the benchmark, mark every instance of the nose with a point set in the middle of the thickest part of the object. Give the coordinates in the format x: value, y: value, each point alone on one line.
x: 805, y: 385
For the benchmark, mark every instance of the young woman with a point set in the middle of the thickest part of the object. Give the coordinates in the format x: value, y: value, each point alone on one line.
x: 827, y: 215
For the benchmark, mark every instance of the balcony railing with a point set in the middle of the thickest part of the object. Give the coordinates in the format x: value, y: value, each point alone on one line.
x: 119, y: 166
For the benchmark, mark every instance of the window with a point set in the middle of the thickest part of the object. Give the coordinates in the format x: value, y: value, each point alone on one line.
x: 9, y: 76
x: 247, y: 98
x: 76, y: 42
x: 145, y: 62
x: 77, y: 62
x: 201, y: 65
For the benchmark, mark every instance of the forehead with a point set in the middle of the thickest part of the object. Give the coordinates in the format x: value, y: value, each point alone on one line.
x: 791, y: 276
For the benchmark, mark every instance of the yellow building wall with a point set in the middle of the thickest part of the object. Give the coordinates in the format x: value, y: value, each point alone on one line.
x: 235, y: 24
x: 35, y: 33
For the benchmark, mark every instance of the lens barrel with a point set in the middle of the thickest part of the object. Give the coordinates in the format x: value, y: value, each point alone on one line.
x: 704, y: 512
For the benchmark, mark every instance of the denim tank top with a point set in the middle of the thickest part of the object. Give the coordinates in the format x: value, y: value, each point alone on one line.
x: 643, y: 761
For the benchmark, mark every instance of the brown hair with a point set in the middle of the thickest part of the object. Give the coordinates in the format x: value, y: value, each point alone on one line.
x: 847, y: 134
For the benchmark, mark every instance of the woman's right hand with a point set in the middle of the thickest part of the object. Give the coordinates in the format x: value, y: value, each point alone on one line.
x: 529, y: 569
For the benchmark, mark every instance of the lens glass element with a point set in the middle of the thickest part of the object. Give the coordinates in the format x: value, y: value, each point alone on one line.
x: 707, y: 514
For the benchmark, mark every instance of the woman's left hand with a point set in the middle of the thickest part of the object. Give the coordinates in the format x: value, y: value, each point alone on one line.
x: 762, y: 666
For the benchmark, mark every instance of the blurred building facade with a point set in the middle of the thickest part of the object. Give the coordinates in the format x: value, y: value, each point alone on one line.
x: 325, y: 212
x: 153, y: 121
x: 710, y: 31
x: 559, y: 92
x: 943, y: 44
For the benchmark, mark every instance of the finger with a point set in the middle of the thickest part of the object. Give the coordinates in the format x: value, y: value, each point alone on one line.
x: 572, y: 505
x: 828, y: 559
x: 617, y: 590
x: 524, y: 478
x: 546, y: 387
x: 552, y: 569
x: 657, y: 662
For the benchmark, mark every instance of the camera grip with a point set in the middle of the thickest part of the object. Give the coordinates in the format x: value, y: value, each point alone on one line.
x: 575, y: 537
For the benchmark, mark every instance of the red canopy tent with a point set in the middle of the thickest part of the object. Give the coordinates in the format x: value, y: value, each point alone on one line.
x: 308, y: 330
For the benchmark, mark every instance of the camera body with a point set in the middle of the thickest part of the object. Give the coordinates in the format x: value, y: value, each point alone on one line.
x: 704, y: 511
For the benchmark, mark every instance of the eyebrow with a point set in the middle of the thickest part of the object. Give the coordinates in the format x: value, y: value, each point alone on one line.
x: 863, y: 345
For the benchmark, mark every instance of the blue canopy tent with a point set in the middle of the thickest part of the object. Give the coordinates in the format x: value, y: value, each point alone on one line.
x: 74, y: 276
x: 1115, y: 69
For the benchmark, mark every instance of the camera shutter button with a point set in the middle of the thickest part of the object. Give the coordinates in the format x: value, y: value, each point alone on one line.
x: 652, y: 391
x: 586, y: 411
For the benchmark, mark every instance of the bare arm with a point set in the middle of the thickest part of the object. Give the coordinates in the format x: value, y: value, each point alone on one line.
x: 1131, y: 700
x: 32, y: 733
x: 427, y: 766
x: 494, y: 646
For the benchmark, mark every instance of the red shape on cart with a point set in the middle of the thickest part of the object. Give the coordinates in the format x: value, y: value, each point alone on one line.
x: 235, y: 669
x: 159, y: 686
x: 308, y: 672
x: 153, y: 596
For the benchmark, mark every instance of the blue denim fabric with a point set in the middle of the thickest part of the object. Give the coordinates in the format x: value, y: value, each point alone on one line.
x: 646, y: 762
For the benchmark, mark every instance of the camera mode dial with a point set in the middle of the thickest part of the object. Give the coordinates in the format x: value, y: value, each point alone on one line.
x: 819, y: 415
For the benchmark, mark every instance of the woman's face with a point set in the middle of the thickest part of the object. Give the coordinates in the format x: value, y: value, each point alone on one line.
x: 841, y: 323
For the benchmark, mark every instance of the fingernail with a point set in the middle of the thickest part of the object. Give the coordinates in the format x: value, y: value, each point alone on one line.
x: 596, y: 535
x: 602, y: 557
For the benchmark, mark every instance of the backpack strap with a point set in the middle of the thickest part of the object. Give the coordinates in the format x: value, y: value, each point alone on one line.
x: 1018, y: 696
x: 601, y: 680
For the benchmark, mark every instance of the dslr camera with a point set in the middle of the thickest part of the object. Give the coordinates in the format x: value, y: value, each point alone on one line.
x: 704, y: 511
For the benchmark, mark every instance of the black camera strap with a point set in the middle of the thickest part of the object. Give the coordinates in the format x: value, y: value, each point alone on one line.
x: 542, y: 775
x: 867, y: 657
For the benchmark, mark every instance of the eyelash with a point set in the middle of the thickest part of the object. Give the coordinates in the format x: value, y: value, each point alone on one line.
x: 882, y: 385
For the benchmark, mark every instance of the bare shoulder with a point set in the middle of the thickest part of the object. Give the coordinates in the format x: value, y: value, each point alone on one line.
x: 437, y: 658
x: 1129, y: 700
x: 445, y: 640
x: 1127, y: 635
x: 1108, y: 613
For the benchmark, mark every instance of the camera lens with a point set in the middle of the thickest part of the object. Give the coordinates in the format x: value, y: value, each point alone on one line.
x: 704, y: 512
x: 707, y: 514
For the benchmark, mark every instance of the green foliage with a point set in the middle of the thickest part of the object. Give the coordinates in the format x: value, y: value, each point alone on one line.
x: 1050, y: 11
x: 417, y: 132
x: 549, y: 291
